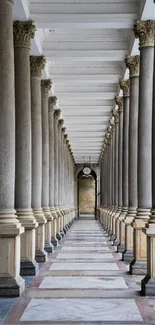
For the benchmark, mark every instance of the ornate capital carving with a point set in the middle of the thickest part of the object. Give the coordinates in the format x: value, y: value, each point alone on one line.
x: 37, y: 64
x: 23, y: 32
x: 61, y: 123
x: 65, y: 137
x: 57, y: 113
x: 125, y: 86
x: 115, y: 115
x: 63, y: 130
x: 46, y: 86
x: 52, y: 101
x: 144, y: 30
x: 119, y: 102
x: 132, y: 63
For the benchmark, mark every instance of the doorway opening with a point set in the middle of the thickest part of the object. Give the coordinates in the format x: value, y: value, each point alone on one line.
x: 87, y: 193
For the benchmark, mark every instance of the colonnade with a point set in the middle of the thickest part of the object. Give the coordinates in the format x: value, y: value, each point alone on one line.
x: 36, y: 161
x: 127, y: 163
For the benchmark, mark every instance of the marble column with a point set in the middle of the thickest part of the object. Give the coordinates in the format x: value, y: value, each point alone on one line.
x: 36, y: 65
x: 116, y: 117
x: 60, y: 162
x: 23, y: 32
x: 132, y: 63
x: 125, y: 86
x: 119, y: 102
x: 145, y: 31
x: 45, y: 87
x: 148, y: 283
x: 11, y: 284
x: 56, y: 172
x: 52, y: 106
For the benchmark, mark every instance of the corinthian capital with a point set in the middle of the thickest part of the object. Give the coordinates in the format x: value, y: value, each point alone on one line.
x: 57, y: 113
x: 37, y: 64
x: 46, y: 86
x: 144, y: 30
x: 52, y: 102
x: 119, y: 102
x: 61, y: 123
x: 23, y: 32
x: 125, y: 86
x: 132, y: 63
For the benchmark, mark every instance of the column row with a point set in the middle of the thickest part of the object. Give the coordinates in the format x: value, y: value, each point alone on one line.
x: 128, y: 193
x: 36, y: 165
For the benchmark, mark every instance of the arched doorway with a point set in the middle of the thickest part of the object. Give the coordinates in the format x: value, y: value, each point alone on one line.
x: 87, y: 193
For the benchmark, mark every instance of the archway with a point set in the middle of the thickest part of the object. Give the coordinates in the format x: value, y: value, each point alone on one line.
x: 87, y: 193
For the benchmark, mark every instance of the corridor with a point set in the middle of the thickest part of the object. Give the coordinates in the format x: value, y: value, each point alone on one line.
x: 83, y: 282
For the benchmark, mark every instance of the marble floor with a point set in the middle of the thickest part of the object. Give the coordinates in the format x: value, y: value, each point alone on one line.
x: 83, y: 282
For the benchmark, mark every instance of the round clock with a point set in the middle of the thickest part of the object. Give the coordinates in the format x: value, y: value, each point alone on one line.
x: 86, y: 170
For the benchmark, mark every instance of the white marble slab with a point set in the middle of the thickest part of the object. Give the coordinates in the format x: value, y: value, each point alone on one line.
x: 77, y: 282
x: 84, y: 267
x: 83, y: 248
x: 83, y: 255
x: 84, y: 243
x: 81, y: 310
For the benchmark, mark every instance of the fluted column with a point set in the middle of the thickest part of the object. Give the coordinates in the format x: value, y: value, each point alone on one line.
x: 10, y: 229
x: 119, y: 102
x: 148, y: 283
x: 45, y: 87
x: 23, y: 32
x: 132, y: 63
x: 36, y: 65
x: 145, y: 31
x: 125, y: 86
x: 52, y: 105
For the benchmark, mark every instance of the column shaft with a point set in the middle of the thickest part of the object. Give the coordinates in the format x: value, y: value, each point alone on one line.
x: 10, y: 229
x: 23, y: 32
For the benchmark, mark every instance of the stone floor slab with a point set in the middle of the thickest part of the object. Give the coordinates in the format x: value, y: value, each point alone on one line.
x: 83, y: 248
x: 75, y: 282
x: 84, y: 256
x: 84, y: 266
x: 82, y: 310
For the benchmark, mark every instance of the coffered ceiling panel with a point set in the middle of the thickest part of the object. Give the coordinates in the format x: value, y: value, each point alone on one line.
x: 85, y: 44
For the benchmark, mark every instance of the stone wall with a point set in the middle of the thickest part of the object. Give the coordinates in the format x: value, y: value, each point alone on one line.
x: 87, y: 195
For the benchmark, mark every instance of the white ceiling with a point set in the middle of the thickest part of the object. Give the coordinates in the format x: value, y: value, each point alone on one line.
x: 85, y: 43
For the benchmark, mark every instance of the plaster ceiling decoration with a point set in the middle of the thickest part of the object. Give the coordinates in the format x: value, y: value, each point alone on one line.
x: 85, y: 44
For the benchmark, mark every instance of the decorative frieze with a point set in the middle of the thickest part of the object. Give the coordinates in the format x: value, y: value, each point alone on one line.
x: 144, y: 30
x: 132, y: 63
x: 23, y: 32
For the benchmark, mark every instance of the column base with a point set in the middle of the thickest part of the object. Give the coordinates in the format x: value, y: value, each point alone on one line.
x: 138, y: 267
x: 49, y: 248
x: 41, y: 256
x: 148, y: 286
x: 112, y: 237
x: 116, y: 242
x: 58, y: 236
x: 110, y: 233
x: 28, y: 268
x: 64, y: 230
x: 62, y: 233
x: 11, y: 287
x: 121, y: 248
x: 54, y: 241
x: 128, y: 256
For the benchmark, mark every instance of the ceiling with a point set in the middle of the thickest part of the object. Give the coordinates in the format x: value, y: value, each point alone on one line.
x: 85, y: 43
